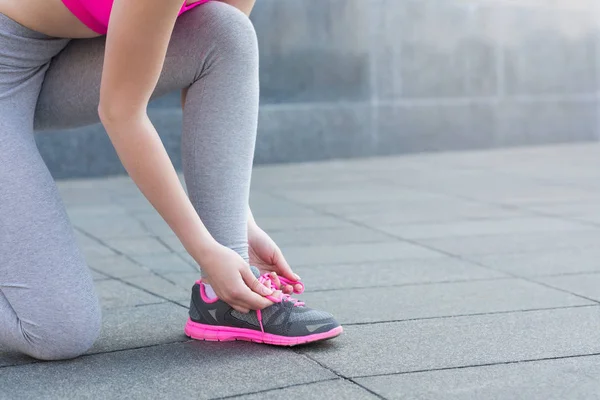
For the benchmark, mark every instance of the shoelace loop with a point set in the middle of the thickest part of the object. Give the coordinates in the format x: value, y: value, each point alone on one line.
x: 266, y: 280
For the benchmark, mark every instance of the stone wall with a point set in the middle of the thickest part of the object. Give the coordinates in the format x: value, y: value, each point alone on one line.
x: 347, y: 78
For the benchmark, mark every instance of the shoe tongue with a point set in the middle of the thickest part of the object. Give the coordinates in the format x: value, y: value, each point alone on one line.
x: 255, y: 271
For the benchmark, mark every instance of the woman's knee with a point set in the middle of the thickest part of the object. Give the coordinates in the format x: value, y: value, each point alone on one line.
x: 65, y: 337
x: 227, y: 30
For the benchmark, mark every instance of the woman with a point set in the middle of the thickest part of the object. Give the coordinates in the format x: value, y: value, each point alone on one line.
x: 66, y: 63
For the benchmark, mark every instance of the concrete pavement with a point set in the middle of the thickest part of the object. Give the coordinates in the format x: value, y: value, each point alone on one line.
x: 471, y: 275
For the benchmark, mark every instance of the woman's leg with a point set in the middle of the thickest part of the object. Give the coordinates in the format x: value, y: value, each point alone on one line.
x: 48, y: 308
x: 214, y: 52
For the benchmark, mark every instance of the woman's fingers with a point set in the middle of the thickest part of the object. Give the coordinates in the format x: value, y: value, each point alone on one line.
x: 251, y: 295
x: 253, y: 283
x: 275, y: 279
x: 287, y: 289
x: 284, y: 267
x: 243, y: 299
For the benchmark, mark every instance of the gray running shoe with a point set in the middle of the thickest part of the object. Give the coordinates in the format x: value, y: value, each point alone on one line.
x: 288, y: 322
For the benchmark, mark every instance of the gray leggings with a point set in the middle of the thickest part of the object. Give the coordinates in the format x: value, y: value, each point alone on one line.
x: 48, y: 306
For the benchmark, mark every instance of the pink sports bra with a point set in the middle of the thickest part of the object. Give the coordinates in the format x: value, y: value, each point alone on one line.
x: 96, y: 13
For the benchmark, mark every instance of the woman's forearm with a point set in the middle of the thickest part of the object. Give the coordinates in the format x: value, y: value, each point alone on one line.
x: 144, y: 157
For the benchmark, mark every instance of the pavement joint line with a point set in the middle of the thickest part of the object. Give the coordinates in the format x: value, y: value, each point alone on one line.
x: 146, y: 304
x: 514, y: 207
x: 491, y: 364
x: 530, y: 280
x: 469, y: 315
x: 366, y: 389
x: 592, y: 272
x: 560, y: 289
x: 34, y: 361
x: 434, y: 249
x: 145, y: 290
x: 396, y: 238
x: 120, y: 253
x: 510, y: 274
x: 428, y: 283
x: 179, y: 255
x: 161, y: 241
x: 339, y: 375
x: 133, y: 306
x: 340, y: 289
x: 273, y: 389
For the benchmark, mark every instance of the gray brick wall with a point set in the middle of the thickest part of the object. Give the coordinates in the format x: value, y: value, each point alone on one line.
x: 346, y: 78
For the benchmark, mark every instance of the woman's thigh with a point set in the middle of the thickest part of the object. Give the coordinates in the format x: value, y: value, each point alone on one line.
x: 71, y: 90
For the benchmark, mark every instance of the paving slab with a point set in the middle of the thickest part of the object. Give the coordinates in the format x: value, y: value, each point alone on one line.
x: 354, y: 253
x: 275, y: 224
x: 423, y: 211
x: 438, y: 300
x: 333, y: 389
x: 116, y: 294
x: 98, y: 276
x: 391, y: 273
x: 125, y: 328
x: 165, y: 263
x: 357, y: 194
x: 516, y: 243
x: 137, y: 246
x: 569, y: 209
x: 172, y: 243
x: 269, y: 206
x: 153, y: 223
x: 403, y: 205
x: 593, y: 220
x: 110, y: 227
x: 482, y: 227
x: 117, y: 266
x: 587, y: 285
x: 92, y: 248
x: 132, y: 327
x: 328, y: 236
x: 547, y: 262
x: 419, y: 323
x: 398, y: 347
x: 161, y: 286
x: 191, y: 370
x: 82, y: 213
x: 184, y: 280
x: 10, y: 358
x: 79, y: 195
x: 570, y: 378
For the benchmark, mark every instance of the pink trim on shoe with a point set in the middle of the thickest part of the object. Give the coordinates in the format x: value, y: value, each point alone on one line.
x: 199, y: 331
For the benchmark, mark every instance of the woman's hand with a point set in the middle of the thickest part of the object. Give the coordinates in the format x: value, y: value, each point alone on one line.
x: 267, y: 257
x: 232, y: 280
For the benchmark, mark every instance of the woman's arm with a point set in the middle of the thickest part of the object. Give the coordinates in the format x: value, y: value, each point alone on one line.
x: 136, y: 45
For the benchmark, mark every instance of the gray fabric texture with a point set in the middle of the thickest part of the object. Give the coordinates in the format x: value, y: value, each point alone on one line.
x: 48, y: 307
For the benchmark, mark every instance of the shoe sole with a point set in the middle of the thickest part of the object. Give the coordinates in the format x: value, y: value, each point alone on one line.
x: 212, y: 333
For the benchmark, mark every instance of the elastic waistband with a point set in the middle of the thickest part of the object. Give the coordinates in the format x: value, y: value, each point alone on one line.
x: 25, y: 48
x: 9, y: 25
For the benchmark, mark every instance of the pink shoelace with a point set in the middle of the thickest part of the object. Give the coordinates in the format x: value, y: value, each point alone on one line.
x: 266, y: 280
